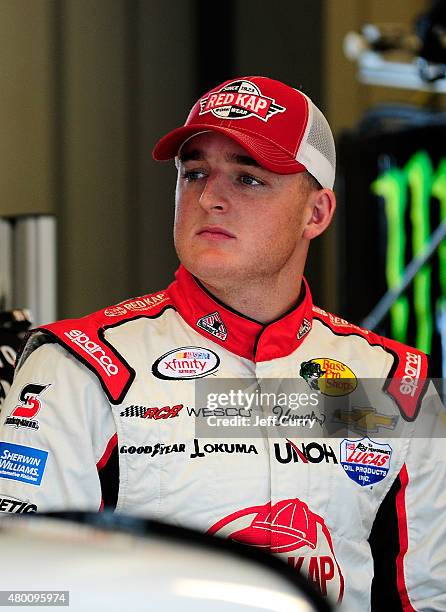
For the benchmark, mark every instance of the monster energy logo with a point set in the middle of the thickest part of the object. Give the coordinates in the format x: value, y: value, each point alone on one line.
x: 412, y: 191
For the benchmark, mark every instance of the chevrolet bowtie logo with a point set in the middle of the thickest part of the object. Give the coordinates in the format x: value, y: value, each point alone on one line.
x: 365, y: 420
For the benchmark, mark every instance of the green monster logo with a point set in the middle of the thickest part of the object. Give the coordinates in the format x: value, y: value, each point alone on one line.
x: 413, y: 190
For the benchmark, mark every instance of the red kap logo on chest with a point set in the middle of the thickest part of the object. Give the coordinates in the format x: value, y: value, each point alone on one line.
x: 240, y: 100
x: 136, y: 305
x: 291, y: 530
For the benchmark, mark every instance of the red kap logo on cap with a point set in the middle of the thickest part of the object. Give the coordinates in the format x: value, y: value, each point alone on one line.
x: 239, y: 100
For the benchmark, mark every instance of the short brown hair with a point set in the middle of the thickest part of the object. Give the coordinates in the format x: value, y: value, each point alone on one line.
x: 310, y: 183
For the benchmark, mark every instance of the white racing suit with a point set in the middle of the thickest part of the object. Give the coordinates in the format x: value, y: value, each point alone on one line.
x: 103, y: 412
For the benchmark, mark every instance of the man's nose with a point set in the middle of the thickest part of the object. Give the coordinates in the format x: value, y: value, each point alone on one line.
x: 214, y: 195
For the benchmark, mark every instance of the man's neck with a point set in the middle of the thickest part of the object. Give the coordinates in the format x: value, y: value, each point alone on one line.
x: 262, y: 302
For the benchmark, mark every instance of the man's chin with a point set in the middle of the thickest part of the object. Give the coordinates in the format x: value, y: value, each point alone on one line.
x: 213, y: 270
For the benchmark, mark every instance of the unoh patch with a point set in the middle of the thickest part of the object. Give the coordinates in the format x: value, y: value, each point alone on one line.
x: 365, y: 461
x: 22, y: 463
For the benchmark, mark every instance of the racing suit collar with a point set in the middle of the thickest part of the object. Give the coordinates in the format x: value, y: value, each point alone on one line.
x: 235, y: 332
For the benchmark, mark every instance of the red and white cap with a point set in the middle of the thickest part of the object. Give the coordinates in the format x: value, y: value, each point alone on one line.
x: 278, y: 125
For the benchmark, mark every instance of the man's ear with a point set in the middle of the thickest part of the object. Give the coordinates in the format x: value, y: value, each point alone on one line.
x: 321, y: 205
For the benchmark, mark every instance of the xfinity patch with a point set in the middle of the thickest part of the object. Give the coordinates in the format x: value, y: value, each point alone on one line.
x: 364, y: 461
x: 22, y: 463
x: 185, y: 362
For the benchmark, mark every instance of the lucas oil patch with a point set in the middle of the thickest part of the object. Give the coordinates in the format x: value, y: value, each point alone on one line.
x: 365, y: 461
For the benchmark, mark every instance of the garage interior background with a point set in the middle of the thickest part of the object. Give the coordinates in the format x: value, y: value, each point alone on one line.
x: 88, y: 87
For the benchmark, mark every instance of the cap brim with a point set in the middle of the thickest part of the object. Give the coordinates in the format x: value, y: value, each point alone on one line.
x: 267, y: 154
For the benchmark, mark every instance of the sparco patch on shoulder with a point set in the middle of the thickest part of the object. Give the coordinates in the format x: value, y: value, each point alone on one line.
x: 240, y: 100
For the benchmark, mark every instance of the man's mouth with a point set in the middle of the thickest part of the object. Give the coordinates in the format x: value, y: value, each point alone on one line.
x: 214, y: 232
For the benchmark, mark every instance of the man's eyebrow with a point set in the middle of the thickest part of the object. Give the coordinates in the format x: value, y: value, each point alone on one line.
x: 243, y: 160
x: 192, y: 155
x: 197, y: 155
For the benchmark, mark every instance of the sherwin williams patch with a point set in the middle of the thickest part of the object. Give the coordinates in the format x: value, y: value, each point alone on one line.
x: 22, y: 463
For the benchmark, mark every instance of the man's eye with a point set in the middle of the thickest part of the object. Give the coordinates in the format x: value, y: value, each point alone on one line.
x: 192, y: 175
x: 247, y: 179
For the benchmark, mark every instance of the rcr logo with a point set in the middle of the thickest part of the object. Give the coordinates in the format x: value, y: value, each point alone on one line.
x: 93, y: 349
x: 409, y: 384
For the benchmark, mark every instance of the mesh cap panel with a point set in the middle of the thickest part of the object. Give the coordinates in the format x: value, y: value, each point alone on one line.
x: 317, y: 148
x: 320, y: 136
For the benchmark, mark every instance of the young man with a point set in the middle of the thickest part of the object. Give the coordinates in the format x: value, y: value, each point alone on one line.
x: 104, y: 409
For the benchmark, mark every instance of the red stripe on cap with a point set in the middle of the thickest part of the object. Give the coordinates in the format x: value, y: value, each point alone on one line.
x: 404, y: 540
x: 108, y: 451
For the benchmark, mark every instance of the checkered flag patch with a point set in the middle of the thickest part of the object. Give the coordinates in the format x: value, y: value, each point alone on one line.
x: 134, y: 411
